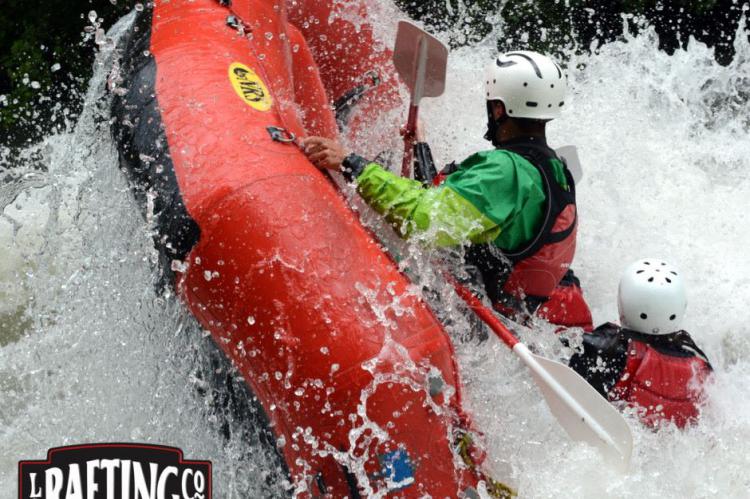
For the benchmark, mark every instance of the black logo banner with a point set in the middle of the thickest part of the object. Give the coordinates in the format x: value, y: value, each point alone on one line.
x: 114, y: 471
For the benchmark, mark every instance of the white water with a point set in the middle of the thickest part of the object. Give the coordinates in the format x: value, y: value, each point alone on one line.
x: 664, y: 144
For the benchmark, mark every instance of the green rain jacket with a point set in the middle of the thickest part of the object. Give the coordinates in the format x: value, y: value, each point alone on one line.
x: 494, y: 196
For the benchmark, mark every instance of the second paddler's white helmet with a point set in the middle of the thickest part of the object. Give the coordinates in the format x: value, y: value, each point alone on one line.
x: 531, y: 85
x: 652, y: 297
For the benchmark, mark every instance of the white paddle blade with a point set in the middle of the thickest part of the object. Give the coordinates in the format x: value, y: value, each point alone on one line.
x: 573, y: 162
x: 580, y: 409
x: 418, y: 50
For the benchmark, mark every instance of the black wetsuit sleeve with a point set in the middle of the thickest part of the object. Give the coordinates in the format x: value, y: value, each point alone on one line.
x: 603, y: 358
x: 353, y: 166
x: 424, y: 165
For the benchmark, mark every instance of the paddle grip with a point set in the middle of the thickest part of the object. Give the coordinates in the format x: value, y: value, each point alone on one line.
x: 484, y: 313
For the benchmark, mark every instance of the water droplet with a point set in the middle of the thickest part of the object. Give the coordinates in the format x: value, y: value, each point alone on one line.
x: 35, y: 85
x: 100, y: 38
x: 178, y: 266
x: 324, y: 350
x: 334, y: 368
x: 251, y: 320
x: 92, y: 17
x: 139, y: 7
x: 55, y: 67
x: 269, y: 35
x: 207, y: 275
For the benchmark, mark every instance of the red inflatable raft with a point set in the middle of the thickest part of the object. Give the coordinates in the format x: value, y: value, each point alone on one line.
x: 356, y: 375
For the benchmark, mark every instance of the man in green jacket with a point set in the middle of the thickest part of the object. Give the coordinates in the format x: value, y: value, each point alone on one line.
x: 513, y: 207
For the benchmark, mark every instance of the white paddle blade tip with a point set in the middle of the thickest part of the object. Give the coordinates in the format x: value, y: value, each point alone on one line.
x: 584, y: 414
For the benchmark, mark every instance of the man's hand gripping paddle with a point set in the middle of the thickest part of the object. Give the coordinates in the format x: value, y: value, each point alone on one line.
x: 577, y: 406
x: 421, y: 61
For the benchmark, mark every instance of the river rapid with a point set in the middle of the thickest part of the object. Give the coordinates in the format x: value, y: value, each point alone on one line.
x: 91, y: 352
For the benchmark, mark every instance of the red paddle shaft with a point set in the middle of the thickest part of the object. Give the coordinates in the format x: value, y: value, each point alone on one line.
x: 410, y: 138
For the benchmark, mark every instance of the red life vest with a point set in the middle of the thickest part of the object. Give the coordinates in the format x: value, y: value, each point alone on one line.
x: 661, y: 386
x: 566, y: 306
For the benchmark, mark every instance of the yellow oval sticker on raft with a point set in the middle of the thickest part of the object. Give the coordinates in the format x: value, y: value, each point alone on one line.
x: 250, y: 87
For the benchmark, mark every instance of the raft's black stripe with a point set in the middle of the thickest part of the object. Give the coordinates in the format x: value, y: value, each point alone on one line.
x: 536, y: 68
x: 139, y: 133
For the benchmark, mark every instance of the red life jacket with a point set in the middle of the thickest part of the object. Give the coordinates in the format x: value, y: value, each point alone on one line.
x: 531, y: 273
x: 662, y: 386
x: 566, y: 306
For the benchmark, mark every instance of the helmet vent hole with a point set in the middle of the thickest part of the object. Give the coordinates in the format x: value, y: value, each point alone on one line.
x: 525, y: 84
x: 493, y: 81
x: 640, y: 271
x: 552, y: 85
x: 561, y: 103
x: 532, y: 104
x: 673, y: 272
x: 647, y: 263
x: 644, y: 316
x: 549, y: 105
x: 510, y: 111
x: 668, y: 280
x: 672, y: 317
x: 650, y: 279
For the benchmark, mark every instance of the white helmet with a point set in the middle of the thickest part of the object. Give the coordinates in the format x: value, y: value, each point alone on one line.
x: 651, y: 297
x: 530, y: 85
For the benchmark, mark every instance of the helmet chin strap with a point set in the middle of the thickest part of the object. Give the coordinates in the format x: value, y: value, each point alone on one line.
x: 493, y: 125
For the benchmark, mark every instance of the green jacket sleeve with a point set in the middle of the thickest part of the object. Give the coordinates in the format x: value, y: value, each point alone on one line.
x: 436, y: 214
